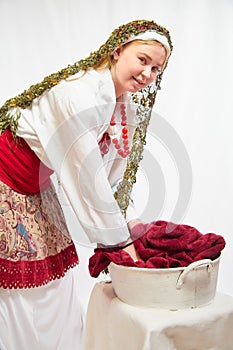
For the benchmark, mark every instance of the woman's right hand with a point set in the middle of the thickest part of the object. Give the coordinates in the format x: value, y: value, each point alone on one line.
x: 132, y: 252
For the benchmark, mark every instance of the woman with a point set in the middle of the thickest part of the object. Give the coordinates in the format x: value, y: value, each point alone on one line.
x: 86, y: 123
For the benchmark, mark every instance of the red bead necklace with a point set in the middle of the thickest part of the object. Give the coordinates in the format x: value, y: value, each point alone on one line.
x: 123, y: 152
x: 105, y: 142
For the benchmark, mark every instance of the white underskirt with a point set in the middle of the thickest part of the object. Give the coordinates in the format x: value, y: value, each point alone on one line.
x: 44, y: 318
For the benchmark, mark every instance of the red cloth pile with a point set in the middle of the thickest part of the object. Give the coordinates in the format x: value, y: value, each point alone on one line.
x: 161, y: 244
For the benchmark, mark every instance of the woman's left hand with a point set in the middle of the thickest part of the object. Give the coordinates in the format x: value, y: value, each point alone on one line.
x: 132, y: 252
x: 131, y: 249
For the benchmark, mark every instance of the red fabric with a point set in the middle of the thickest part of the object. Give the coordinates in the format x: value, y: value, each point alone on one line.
x: 161, y: 244
x: 30, y: 274
x: 20, y: 168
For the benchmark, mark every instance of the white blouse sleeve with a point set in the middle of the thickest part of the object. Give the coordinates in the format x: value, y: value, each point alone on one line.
x: 68, y: 134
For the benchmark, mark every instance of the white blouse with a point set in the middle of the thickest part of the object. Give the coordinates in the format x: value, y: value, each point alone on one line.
x: 63, y: 127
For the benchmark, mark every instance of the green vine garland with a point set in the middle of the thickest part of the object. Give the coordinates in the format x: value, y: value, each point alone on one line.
x: 118, y: 37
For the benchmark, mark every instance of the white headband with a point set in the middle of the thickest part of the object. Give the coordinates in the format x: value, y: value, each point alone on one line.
x: 152, y: 35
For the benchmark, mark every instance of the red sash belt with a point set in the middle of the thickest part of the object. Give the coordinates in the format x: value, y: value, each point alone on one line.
x: 20, y: 168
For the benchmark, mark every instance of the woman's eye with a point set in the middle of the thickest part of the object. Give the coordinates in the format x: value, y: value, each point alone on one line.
x: 142, y: 59
x: 156, y: 70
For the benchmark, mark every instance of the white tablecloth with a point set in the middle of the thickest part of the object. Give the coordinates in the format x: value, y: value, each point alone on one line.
x: 114, y: 325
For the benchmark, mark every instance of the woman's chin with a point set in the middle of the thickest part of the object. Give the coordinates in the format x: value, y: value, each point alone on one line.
x: 135, y: 89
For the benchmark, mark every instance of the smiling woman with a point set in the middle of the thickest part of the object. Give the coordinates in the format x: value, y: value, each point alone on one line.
x: 136, y: 65
x: 87, y: 124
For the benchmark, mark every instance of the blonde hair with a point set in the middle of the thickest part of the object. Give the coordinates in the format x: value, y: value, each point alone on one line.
x: 108, y: 61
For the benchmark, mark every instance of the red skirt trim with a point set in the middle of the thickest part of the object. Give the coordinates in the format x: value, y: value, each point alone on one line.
x: 30, y: 274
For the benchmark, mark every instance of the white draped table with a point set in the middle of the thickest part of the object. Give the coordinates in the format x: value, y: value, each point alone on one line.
x: 114, y: 325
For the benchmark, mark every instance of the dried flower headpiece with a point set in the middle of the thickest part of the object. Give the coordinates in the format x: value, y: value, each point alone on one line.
x: 9, y: 113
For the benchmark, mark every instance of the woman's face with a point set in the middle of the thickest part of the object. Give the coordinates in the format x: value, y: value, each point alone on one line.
x: 136, y: 66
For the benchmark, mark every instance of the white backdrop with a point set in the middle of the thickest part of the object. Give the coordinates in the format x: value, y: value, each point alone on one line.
x: 42, y: 36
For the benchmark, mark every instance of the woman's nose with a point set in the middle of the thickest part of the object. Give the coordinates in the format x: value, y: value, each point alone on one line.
x: 147, y: 72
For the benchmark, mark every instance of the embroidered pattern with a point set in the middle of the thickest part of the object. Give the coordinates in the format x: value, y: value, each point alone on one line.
x: 35, y: 245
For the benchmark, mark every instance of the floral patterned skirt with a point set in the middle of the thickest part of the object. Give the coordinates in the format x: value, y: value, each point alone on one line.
x: 35, y: 245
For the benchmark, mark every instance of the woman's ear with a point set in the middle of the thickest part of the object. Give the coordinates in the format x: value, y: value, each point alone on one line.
x: 117, y: 53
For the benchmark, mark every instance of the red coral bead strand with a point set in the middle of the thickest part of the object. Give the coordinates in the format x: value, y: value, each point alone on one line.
x: 123, y: 152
